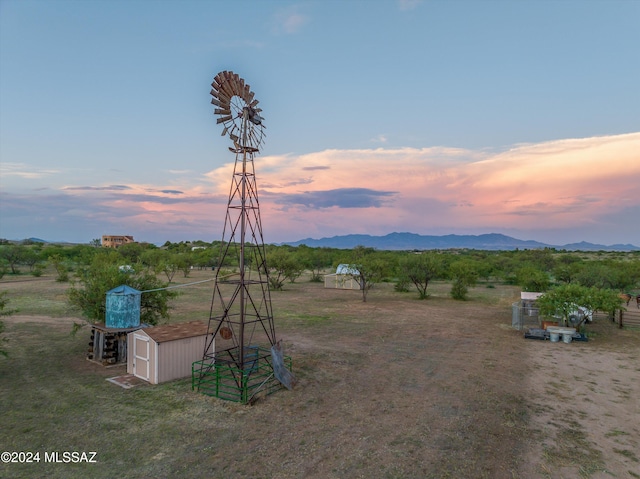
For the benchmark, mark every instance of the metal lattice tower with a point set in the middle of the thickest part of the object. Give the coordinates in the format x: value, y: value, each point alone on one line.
x: 238, y: 359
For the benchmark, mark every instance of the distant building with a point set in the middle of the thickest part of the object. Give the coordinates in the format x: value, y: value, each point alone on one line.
x: 113, y: 241
x: 345, y: 277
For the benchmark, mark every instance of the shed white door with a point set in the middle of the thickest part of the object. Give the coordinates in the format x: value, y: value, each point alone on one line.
x: 141, y: 356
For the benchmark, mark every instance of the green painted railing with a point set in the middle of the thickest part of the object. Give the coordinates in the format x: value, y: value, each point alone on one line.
x: 223, y: 380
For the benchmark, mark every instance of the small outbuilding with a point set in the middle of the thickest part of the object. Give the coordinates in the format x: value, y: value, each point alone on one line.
x: 345, y: 277
x: 164, y: 353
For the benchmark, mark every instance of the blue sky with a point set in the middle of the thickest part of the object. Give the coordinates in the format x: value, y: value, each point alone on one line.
x: 433, y: 117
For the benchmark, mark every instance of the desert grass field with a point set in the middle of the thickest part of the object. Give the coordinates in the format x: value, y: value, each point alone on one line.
x: 391, y: 388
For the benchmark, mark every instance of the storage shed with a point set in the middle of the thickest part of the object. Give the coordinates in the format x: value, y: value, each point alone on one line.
x: 164, y: 353
x: 345, y: 277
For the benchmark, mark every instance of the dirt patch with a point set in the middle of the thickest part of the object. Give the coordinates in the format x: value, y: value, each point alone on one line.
x: 587, y: 412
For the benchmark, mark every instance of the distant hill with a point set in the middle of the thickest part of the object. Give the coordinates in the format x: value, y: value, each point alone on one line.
x: 409, y: 241
x: 39, y: 240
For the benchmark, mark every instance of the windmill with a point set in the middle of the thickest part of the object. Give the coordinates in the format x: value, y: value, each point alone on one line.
x: 247, y: 359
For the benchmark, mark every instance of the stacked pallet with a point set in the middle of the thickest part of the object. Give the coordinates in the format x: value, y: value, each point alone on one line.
x: 108, y: 346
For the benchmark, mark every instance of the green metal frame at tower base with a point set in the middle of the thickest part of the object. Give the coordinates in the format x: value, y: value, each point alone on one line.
x: 223, y: 380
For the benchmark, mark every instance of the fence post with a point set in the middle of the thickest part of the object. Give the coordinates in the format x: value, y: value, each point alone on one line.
x: 621, y: 319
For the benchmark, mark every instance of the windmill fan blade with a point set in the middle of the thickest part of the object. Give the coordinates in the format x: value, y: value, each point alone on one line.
x: 234, y: 99
x: 224, y: 97
x: 227, y: 88
x: 227, y: 80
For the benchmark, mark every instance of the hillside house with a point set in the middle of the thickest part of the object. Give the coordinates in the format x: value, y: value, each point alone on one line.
x: 113, y: 241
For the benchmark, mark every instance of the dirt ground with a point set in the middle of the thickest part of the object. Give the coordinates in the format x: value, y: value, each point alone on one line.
x: 440, y: 388
x: 401, y: 388
x: 587, y: 398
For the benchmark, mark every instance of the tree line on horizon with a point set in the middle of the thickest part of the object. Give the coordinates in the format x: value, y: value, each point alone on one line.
x: 93, y: 269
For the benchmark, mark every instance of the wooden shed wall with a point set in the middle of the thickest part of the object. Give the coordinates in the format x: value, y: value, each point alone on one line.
x: 168, y: 360
x: 174, y: 358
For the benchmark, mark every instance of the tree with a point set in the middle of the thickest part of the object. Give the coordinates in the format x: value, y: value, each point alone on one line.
x: 152, y: 258
x: 367, y: 268
x: 532, y: 279
x: 131, y: 252
x: 13, y: 255
x: 505, y: 266
x: 89, y: 292
x: 420, y: 269
x: 594, y: 273
x: 30, y: 257
x: 184, y: 262
x: 316, y: 260
x: 169, y: 267
x: 61, y: 268
x: 564, y: 300
x: 464, y: 275
x: 282, y: 265
x: 565, y: 272
x: 205, y: 258
x: 541, y: 259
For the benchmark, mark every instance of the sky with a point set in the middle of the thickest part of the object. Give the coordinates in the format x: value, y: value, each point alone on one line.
x: 432, y: 117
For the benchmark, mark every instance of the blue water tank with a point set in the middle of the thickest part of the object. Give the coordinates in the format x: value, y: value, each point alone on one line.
x: 123, y: 307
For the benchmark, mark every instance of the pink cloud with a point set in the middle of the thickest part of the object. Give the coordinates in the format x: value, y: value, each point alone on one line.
x: 589, y: 183
x: 558, y: 184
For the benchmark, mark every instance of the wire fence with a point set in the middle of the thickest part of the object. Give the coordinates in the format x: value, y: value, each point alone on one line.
x: 524, y: 315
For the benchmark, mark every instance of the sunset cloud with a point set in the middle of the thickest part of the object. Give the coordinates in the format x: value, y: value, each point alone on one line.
x: 564, y: 185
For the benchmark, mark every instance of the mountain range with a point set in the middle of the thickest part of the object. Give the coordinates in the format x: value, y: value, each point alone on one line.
x: 410, y: 241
